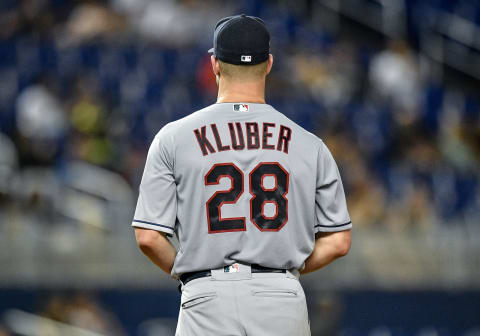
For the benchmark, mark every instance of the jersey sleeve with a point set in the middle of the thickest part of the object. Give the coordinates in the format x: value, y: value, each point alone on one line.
x: 157, y: 201
x: 331, y: 212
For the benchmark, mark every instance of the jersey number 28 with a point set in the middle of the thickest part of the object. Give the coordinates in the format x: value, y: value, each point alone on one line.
x: 260, y: 197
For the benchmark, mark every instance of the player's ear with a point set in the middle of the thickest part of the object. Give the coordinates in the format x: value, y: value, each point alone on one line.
x: 215, y: 65
x: 269, y: 63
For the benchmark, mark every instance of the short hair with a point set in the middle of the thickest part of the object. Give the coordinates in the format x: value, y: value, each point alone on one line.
x: 256, y: 71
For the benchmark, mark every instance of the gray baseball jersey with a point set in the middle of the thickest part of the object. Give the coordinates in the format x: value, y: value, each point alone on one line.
x: 240, y: 183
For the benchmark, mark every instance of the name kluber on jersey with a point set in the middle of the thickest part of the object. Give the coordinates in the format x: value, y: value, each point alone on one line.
x: 244, y: 135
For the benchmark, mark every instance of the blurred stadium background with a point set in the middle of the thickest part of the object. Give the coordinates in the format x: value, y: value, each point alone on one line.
x: 392, y: 86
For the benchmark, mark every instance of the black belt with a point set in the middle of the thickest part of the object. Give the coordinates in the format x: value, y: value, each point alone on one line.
x: 186, y: 277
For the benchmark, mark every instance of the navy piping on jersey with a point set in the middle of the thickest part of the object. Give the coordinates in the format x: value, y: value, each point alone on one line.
x: 332, y: 226
x: 150, y: 223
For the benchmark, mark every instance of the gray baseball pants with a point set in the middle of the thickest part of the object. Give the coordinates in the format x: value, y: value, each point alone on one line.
x: 237, y: 302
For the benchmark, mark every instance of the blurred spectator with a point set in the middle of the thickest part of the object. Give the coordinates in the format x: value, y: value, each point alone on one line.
x: 81, y: 310
x: 41, y: 124
x: 174, y: 23
x: 455, y: 141
x: 88, y: 118
x: 394, y: 75
x: 90, y: 20
x: 3, y: 332
x: 8, y: 164
x: 206, y: 79
x: 366, y: 197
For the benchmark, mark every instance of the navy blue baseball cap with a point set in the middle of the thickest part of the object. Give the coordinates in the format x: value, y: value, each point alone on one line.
x: 241, y: 40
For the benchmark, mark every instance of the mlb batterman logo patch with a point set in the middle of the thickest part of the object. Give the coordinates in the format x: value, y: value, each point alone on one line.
x: 234, y: 268
x: 246, y: 58
x: 240, y: 107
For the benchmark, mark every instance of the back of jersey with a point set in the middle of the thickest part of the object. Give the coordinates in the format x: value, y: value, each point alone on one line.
x: 240, y: 183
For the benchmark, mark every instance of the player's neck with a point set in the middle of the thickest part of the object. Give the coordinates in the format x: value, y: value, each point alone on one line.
x: 241, y: 92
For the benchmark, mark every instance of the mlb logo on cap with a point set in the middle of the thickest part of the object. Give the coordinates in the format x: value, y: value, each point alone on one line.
x: 244, y: 58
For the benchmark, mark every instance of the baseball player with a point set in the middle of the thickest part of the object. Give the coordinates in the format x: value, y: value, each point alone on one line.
x: 254, y: 199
